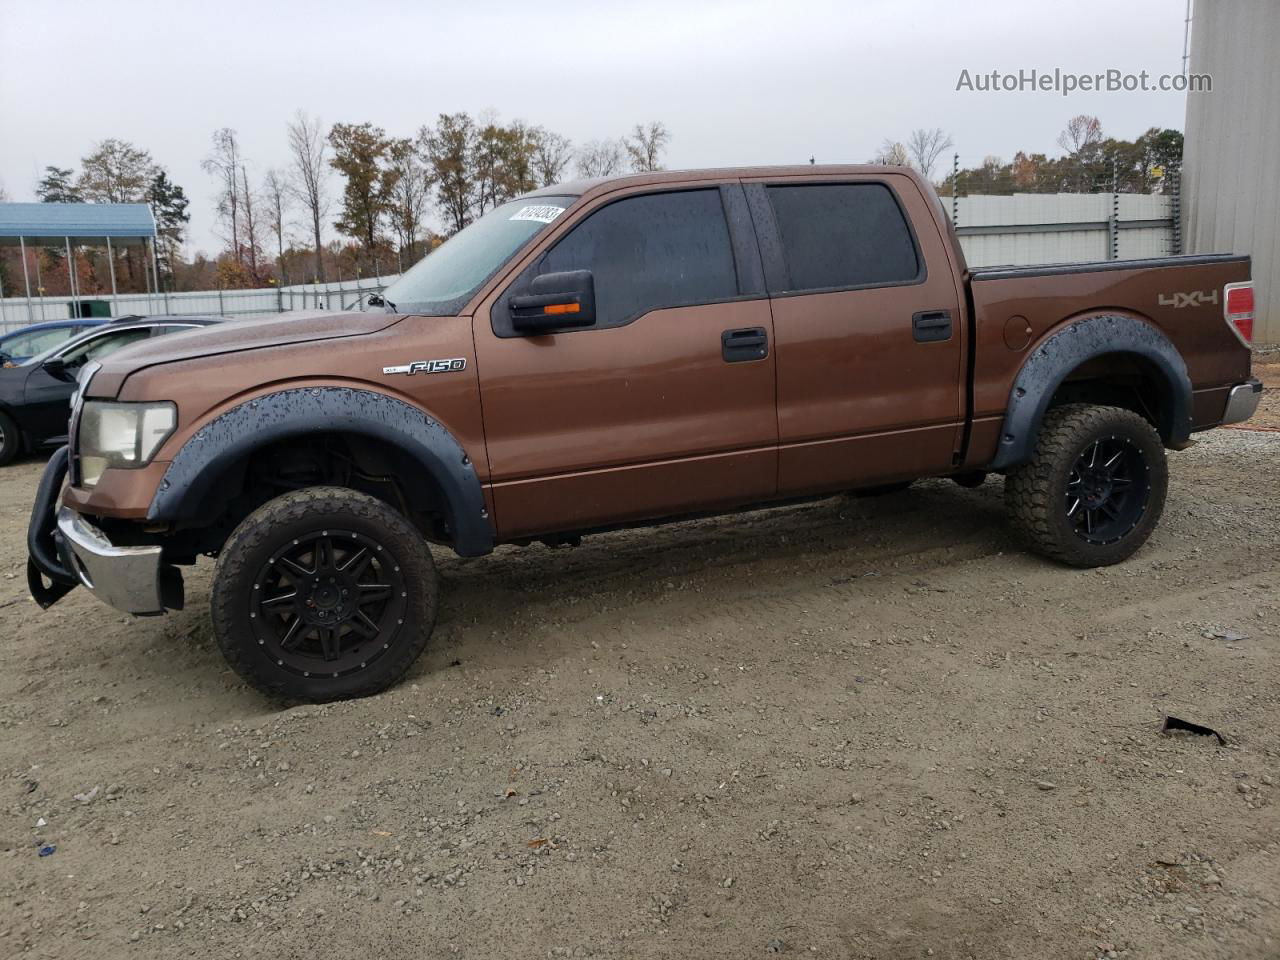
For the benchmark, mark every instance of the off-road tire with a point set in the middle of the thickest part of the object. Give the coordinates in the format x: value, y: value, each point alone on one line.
x: 10, y: 440
x: 1036, y: 492
x: 305, y: 515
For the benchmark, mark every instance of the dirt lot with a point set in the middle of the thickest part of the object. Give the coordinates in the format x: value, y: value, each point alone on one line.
x: 857, y: 728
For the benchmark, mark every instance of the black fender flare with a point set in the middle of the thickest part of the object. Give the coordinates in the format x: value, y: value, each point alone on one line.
x: 299, y: 411
x: 1078, y: 342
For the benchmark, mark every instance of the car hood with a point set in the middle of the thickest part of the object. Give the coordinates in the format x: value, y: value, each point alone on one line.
x: 233, y: 337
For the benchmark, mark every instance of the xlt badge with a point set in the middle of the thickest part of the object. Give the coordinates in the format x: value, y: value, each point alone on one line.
x: 429, y: 366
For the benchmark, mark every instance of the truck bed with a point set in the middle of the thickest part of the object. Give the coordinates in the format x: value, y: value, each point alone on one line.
x: 1014, y: 308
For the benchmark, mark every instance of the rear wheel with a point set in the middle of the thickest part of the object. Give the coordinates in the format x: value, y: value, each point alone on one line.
x: 1094, y: 488
x: 10, y: 440
x: 324, y: 594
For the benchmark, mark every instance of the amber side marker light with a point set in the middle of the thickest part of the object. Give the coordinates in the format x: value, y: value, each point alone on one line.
x: 553, y: 308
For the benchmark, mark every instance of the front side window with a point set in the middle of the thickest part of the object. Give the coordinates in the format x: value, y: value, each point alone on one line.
x: 648, y: 252
x: 840, y: 235
x: 444, y: 280
x: 38, y: 341
x: 96, y: 348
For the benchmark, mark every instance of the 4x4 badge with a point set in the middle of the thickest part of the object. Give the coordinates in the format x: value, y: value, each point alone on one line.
x: 1193, y: 299
x: 429, y: 366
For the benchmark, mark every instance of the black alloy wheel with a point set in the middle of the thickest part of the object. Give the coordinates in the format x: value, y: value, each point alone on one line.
x: 1107, y: 490
x: 328, y: 603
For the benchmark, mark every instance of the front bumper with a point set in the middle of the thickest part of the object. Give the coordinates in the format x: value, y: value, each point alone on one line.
x: 70, y: 551
x: 1242, y: 401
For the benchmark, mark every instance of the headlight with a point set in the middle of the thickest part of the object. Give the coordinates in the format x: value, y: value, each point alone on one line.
x: 121, y: 435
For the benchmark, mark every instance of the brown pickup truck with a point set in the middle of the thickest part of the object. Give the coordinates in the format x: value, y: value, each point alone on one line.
x: 619, y: 352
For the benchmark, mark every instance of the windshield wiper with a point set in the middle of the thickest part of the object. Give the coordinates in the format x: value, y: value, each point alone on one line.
x: 378, y: 300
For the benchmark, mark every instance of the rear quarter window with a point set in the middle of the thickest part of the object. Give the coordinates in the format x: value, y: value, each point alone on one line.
x: 842, y: 235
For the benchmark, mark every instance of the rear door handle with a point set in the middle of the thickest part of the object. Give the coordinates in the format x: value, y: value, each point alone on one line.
x: 930, y: 326
x: 746, y: 343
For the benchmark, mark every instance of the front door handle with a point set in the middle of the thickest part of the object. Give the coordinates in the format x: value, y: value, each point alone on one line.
x: 746, y: 343
x: 930, y: 326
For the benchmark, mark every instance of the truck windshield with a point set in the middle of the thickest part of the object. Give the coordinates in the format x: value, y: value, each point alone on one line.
x: 444, y: 280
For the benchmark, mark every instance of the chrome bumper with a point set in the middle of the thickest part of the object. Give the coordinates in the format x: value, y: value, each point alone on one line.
x: 127, y: 578
x: 1242, y: 401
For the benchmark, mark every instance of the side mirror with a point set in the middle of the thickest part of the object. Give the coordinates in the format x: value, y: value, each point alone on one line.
x: 57, y: 368
x: 555, y: 301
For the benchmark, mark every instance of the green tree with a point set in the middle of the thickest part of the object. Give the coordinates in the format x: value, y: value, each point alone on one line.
x: 58, y: 186
x: 168, y: 202
x: 360, y: 152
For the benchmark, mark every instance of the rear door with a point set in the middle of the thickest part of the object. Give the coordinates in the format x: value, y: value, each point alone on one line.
x: 867, y: 329
x: 653, y: 411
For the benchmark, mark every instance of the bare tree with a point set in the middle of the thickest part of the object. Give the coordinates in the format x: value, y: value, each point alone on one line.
x: 310, y: 172
x: 925, y: 146
x: 600, y: 158
x: 250, y: 225
x: 224, y: 163
x: 893, y: 154
x: 645, y: 145
x: 1083, y: 132
x: 552, y: 154
x: 275, y: 192
x: 4, y: 194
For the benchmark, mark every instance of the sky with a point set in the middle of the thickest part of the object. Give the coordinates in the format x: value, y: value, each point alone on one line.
x: 736, y: 83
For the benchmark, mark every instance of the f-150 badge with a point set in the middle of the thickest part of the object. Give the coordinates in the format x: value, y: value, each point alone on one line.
x: 429, y: 366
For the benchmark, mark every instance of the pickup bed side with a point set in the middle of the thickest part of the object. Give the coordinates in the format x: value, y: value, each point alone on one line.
x: 1017, y: 310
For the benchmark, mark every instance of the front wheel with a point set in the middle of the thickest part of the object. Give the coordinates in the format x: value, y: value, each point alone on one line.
x: 10, y: 440
x: 1094, y: 488
x: 323, y: 594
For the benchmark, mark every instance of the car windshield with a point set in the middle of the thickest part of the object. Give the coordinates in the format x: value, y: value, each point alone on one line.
x: 443, y: 281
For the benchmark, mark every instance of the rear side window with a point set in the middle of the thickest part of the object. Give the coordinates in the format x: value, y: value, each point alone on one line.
x: 843, y: 235
x: 651, y: 251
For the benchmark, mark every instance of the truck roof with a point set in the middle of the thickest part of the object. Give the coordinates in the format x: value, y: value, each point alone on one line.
x: 581, y: 187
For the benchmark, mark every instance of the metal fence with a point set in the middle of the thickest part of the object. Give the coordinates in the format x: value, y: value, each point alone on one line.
x: 1032, y: 228
x: 16, y: 312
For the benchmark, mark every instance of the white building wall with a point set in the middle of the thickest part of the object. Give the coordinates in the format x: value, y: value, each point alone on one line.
x: 1231, y: 178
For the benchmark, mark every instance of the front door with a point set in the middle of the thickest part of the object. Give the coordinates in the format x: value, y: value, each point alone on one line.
x: 867, y: 323
x: 651, y: 411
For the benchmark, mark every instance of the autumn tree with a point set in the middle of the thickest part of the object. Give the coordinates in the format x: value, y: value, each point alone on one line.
x: 645, y: 145
x: 359, y: 154
x: 116, y: 172
x: 58, y: 186
x: 449, y: 150
x: 925, y: 146
x: 600, y: 158
x: 224, y: 163
x: 1082, y: 133
x: 309, y: 177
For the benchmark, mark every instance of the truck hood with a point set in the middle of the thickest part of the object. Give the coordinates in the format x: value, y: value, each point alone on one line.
x: 235, y: 336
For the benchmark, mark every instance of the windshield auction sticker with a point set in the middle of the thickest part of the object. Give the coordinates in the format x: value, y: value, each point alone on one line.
x: 543, y: 213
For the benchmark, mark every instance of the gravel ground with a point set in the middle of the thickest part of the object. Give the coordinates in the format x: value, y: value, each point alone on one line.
x: 851, y: 729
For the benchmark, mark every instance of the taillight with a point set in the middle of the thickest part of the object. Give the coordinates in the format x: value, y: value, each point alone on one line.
x: 1237, y: 306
